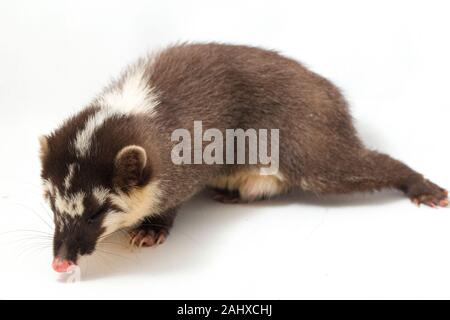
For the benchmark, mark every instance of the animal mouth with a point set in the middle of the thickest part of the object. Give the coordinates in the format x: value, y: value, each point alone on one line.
x: 62, y: 265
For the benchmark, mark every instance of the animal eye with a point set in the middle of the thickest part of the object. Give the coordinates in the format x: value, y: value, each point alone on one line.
x: 97, y: 214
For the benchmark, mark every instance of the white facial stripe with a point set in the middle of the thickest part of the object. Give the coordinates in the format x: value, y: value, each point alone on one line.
x: 73, y: 204
x: 69, y: 177
x: 83, y: 139
x: 101, y: 194
x: 136, y: 205
x: 132, y: 94
x: 70, y: 205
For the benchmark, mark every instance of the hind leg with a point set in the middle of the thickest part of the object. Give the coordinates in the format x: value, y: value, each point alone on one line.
x: 366, y: 170
x: 246, y: 186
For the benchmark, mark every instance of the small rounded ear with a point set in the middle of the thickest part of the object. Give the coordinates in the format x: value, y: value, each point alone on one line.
x: 129, y: 166
x: 43, y: 141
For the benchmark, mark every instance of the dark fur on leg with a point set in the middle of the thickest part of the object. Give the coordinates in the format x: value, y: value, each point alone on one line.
x: 368, y: 170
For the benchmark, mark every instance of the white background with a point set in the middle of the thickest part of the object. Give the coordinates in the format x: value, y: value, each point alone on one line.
x: 391, y: 58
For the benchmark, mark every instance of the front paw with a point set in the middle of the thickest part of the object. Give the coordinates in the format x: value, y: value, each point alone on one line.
x: 148, y: 236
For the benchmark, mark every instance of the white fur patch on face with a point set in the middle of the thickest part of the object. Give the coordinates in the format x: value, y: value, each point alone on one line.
x: 136, y: 205
x: 68, y: 179
x: 83, y: 139
x: 131, y: 94
x: 101, y: 194
x: 70, y: 205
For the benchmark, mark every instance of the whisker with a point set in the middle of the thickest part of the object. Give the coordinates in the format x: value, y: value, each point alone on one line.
x: 28, y: 250
x: 27, y: 230
x: 108, y: 261
x: 46, y: 210
x: 113, y: 254
x: 112, y: 243
x: 31, y: 241
x: 35, y: 213
x: 113, y: 232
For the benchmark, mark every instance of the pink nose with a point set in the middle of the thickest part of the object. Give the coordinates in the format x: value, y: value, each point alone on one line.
x: 60, y: 265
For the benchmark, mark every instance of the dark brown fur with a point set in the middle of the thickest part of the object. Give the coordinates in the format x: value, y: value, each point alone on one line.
x: 244, y: 87
x: 228, y: 86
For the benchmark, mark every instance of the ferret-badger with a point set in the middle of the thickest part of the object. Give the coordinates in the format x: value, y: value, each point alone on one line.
x: 109, y: 167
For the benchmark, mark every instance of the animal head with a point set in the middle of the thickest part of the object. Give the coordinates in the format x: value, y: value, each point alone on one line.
x: 97, y: 179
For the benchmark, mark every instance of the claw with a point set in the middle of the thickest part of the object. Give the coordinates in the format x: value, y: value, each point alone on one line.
x: 144, y: 242
x: 147, y: 238
x: 161, y: 239
x: 135, y: 236
x: 132, y: 239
